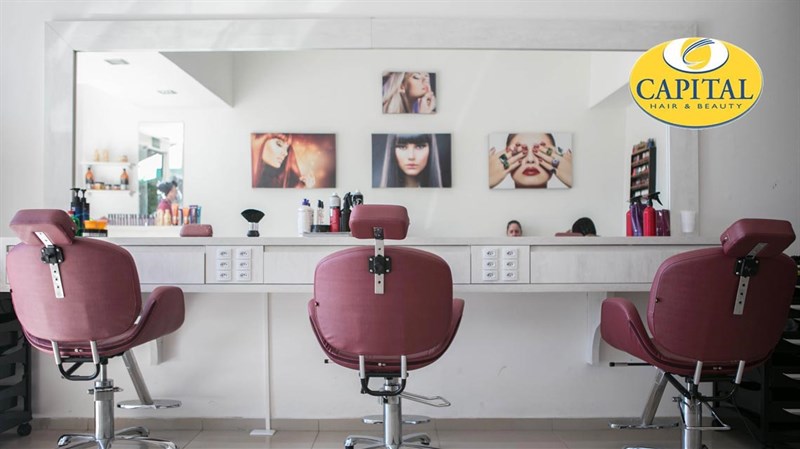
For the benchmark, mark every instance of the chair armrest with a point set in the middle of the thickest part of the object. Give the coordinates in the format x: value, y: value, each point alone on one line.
x: 162, y: 314
x: 622, y: 327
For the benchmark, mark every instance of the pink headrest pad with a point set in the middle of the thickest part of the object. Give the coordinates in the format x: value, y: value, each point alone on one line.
x: 55, y: 223
x: 393, y: 219
x: 742, y: 236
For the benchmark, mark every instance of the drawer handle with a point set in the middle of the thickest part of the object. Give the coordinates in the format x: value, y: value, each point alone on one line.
x: 792, y: 376
x: 792, y: 411
x: 792, y: 341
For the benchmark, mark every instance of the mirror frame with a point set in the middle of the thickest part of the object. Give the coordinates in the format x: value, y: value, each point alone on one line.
x: 64, y: 38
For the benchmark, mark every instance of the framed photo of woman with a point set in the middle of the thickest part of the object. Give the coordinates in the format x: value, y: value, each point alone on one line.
x: 411, y: 160
x: 530, y: 160
x: 409, y: 93
x: 285, y: 160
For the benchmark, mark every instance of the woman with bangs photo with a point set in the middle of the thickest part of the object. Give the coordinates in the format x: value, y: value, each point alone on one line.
x: 411, y: 160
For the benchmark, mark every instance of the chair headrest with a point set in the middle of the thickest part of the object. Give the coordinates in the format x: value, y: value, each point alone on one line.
x: 741, y: 237
x: 55, y: 223
x: 393, y: 219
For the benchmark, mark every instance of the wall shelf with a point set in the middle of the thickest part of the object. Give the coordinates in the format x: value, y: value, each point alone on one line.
x: 643, y: 168
x: 106, y: 164
x: 129, y: 192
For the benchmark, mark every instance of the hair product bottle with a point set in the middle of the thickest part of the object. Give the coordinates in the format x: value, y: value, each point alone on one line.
x: 89, y: 177
x: 124, y: 180
x: 335, y: 205
x: 304, y: 217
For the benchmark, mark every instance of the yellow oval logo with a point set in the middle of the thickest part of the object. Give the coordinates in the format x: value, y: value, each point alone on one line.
x: 696, y: 82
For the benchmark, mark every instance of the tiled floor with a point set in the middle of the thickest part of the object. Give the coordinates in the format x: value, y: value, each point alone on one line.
x: 445, y: 439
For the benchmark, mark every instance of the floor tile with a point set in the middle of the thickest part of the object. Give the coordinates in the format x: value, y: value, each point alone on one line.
x: 335, y: 440
x: 234, y: 439
x: 499, y: 439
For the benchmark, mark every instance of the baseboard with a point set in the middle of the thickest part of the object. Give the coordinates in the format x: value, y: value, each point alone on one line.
x: 322, y: 425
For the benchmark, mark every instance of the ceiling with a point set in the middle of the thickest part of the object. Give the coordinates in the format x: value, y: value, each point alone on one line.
x: 140, y: 80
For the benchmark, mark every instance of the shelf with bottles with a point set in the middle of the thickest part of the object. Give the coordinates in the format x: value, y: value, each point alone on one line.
x: 643, y: 168
x: 94, y: 182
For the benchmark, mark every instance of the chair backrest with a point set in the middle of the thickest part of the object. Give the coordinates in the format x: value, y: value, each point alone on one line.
x: 693, y: 298
x: 102, y: 297
x: 414, y: 313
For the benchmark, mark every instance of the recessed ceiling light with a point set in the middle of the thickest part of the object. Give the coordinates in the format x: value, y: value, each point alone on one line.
x: 167, y: 92
x: 117, y: 61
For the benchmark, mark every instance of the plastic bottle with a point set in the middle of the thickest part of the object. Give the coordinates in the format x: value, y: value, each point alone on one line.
x: 304, y: 217
x: 649, y: 216
x: 84, y: 207
x: 335, y: 205
x: 628, y: 224
x: 319, y: 215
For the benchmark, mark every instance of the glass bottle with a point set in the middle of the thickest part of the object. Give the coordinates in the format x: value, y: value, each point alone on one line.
x: 89, y: 177
x: 123, y: 179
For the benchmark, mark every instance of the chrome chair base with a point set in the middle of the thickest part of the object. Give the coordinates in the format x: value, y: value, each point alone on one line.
x: 636, y: 423
x: 392, y: 420
x: 691, y: 410
x: 104, y: 435
x: 156, y: 404
x: 75, y: 441
x: 407, y: 419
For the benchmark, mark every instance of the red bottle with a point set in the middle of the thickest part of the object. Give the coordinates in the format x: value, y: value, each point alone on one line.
x: 649, y: 216
x: 628, y: 224
x: 336, y: 213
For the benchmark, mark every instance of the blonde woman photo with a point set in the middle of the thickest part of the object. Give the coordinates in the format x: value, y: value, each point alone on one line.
x: 409, y: 93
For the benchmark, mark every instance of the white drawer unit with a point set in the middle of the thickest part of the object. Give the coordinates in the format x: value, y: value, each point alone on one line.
x: 500, y: 264
x: 234, y: 264
x: 169, y: 265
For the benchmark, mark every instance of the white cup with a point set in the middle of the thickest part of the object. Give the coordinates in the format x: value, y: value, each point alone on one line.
x: 688, y: 221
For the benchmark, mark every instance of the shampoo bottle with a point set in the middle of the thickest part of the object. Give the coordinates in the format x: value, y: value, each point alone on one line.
x: 304, y: 217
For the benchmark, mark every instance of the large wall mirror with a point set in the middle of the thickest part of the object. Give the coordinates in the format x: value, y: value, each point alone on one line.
x: 66, y: 130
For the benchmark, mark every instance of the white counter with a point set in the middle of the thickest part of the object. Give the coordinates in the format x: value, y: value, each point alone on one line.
x: 542, y: 323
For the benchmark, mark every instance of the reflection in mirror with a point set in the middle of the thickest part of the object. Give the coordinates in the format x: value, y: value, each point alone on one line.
x: 160, y: 167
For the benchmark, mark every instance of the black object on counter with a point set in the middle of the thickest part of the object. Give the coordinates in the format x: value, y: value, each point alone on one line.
x: 253, y: 216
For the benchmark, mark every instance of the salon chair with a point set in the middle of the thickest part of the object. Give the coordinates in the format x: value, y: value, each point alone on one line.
x: 713, y: 314
x: 79, y: 300
x: 385, y: 311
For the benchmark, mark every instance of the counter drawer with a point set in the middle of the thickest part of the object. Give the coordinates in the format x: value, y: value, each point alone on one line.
x: 296, y: 265
x: 169, y: 265
x: 598, y: 265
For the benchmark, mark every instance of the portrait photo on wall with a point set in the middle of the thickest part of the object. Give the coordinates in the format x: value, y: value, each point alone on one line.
x: 531, y: 160
x: 411, y: 160
x: 288, y: 161
x: 409, y: 93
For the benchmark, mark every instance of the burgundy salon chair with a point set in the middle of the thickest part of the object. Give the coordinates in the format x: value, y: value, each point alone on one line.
x: 384, y: 312
x: 712, y: 312
x: 79, y: 299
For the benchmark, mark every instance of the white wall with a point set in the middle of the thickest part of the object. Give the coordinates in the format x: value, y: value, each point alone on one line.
x: 747, y: 168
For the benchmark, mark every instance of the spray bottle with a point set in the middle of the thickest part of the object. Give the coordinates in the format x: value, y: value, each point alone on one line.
x: 347, y: 204
x: 649, y: 215
x: 84, y: 207
x: 636, y: 211
x: 335, y: 207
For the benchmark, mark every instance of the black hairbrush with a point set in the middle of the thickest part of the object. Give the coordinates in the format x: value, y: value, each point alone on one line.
x: 252, y: 216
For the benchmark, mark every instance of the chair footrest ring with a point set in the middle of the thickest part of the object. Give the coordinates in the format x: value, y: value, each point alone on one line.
x: 156, y: 405
x: 636, y: 423
x: 407, y: 419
